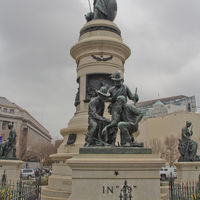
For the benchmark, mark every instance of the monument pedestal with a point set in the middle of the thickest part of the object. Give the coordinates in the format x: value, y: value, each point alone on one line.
x: 12, y: 169
x: 60, y: 182
x: 102, y: 176
x: 187, y: 171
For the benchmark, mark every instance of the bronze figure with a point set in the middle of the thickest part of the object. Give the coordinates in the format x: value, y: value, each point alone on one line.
x: 8, y: 147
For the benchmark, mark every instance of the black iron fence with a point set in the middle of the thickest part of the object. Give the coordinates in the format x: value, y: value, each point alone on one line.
x: 21, y: 190
x: 184, y: 191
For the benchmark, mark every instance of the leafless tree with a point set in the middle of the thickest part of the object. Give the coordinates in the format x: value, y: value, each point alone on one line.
x: 171, y: 152
x: 167, y: 150
x: 40, y: 152
x: 156, y: 145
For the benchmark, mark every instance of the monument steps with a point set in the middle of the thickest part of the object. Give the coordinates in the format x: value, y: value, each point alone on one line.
x: 164, y: 196
x: 54, y: 181
x: 164, y: 190
x: 48, y: 193
x: 51, y: 198
x: 164, y: 183
x: 64, y: 178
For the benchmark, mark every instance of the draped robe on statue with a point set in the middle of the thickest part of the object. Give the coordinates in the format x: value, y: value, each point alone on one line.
x: 105, y: 9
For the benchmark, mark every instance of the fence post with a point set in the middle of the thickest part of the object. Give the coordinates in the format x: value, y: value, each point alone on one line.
x: 20, y: 188
x: 171, y: 186
x: 38, y: 182
x: 3, y: 179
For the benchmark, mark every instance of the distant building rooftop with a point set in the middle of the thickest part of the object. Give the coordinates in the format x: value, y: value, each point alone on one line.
x: 162, y: 100
x: 158, y: 103
x: 163, y: 106
x: 6, y: 102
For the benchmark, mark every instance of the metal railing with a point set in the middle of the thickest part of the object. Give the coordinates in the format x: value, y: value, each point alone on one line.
x: 20, y: 190
x: 184, y: 191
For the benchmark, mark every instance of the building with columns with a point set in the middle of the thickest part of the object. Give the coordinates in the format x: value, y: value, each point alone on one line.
x: 30, y: 133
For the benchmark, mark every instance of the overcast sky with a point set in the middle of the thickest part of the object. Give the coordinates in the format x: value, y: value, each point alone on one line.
x: 38, y: 73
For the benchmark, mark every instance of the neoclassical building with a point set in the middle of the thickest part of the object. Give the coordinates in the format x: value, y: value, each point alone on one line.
x: 30, y: 133
x: 163, y: 106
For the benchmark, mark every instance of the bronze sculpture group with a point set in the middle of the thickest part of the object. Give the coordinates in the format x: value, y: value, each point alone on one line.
x: 8, y: 147
x: 124, y: 116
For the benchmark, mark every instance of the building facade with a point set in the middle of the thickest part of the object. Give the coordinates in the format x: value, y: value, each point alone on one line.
x: 30, y: 133
x: 163, y: 106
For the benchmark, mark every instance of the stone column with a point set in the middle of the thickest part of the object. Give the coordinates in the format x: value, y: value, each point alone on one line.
x: 99, y: 51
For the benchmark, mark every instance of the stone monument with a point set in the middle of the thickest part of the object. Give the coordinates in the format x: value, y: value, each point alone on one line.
x: 9, y: 164
x: 89, y: 162
x: 188, y: 165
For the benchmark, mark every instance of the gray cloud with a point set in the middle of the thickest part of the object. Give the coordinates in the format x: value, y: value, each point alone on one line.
x: 164, y: 44
x: 38, y: 73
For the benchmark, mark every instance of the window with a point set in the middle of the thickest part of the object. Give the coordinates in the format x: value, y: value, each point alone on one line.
x: 189, y: 107
x: 4, y: 125
x: 5, y: 109
x: 27, y: 171
x: 11, y: 110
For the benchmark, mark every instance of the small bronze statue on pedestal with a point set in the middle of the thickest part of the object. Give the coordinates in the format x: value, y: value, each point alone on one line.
x: 187, y: 147
x: 8, y: 147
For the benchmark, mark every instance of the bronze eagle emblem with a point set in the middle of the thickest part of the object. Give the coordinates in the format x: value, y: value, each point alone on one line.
x: 101, y: 58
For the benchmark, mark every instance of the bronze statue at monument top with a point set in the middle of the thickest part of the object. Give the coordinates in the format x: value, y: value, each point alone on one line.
x: 103, y: 9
